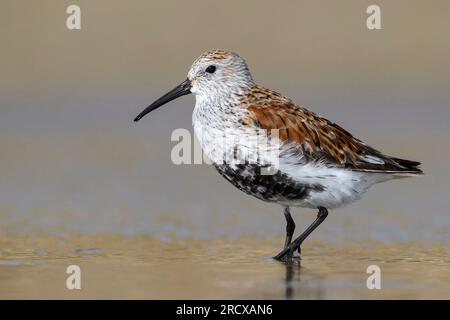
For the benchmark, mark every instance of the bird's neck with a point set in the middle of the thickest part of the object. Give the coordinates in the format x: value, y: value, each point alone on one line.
x: 219, y: 109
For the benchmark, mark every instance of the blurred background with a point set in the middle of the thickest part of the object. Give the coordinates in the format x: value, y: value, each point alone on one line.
x: 73, y: 162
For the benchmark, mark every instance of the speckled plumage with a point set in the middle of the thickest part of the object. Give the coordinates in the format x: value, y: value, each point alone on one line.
x: 317, y: 163
x: 318, y: 157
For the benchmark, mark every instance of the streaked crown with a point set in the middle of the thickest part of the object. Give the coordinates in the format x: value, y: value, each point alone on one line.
x: 219, y: 72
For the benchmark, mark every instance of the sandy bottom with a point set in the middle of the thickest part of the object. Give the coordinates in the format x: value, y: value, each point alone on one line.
x: 146, y: 268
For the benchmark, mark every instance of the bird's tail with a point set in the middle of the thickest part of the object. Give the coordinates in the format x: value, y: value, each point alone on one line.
x: 410, y: 168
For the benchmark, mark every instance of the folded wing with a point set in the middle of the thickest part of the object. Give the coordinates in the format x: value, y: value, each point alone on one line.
x: 318, y: 139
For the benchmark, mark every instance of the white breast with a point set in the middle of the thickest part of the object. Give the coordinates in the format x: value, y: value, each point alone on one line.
x: 220, y: 134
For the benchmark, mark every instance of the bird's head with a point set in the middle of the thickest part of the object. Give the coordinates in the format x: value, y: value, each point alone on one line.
x: 214, y: 72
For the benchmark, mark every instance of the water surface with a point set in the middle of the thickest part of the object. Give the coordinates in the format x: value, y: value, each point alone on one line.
x: 146, y: 268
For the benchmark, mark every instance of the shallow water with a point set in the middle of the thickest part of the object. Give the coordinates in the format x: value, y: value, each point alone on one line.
x: 81, y: 183
x: 146, y: 268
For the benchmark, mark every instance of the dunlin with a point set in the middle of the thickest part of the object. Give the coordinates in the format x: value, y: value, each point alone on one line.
x: 319, y: 165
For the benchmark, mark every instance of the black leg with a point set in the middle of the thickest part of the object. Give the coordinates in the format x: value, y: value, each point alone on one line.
x: 289, y: 250
x: 290, y: 226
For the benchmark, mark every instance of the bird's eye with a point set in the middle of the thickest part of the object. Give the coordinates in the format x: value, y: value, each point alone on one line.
x: 211, y: 69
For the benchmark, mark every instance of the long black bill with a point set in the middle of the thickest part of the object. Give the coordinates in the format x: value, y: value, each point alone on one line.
x: 181, y: 90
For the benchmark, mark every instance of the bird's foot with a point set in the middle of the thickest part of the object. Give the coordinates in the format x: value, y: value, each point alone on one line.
x: 289, y: 252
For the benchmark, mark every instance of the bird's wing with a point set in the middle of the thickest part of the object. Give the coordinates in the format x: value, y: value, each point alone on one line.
x: 318, y: 139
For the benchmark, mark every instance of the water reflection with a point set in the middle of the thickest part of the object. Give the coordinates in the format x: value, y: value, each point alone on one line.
x: 148, y: 268
x: 293, y: 271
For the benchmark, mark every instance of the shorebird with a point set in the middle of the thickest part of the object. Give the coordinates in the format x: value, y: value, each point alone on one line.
x: 319, y: 165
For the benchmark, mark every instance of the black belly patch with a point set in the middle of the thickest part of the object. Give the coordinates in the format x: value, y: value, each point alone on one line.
x: 274, y: 187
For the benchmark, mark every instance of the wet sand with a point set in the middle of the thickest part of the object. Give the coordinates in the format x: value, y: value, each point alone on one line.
x: 81, y: 183
x: 145, y: 268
